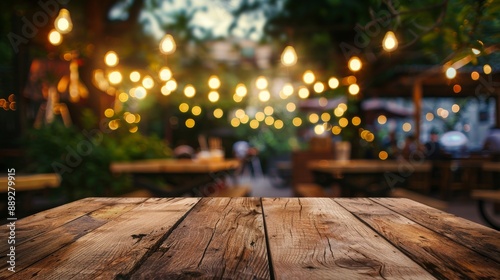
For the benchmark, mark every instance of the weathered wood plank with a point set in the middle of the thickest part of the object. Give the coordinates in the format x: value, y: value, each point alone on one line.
x: 484, y: 240
x: 44, y: 221
x: 49, y: 242
x: 222, y: 238
x: 440, y: 255
x: 315, y: 238
x: 115, y: 248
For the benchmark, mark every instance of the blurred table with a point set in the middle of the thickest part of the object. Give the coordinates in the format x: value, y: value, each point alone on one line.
x: 250, y: 238
x: 184, y: 175
x: 367, y: 177
x: 30, y: 182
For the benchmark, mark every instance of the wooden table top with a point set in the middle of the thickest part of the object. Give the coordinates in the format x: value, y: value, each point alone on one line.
x: 28, y: 182
x: 368, y: 166
x: 174, y: 166
x: 250, y: 238
x: 491, y: 166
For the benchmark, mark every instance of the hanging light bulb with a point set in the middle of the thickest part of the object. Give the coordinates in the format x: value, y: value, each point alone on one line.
x: 451, y: 73
x: 355, y: 64
x: 111, y: 59
x: 167, y: 44
x: 289, y: 56
x: 390, y: 42
x: 55, y: 37
x: 63, y: 22
x: 214, y: 82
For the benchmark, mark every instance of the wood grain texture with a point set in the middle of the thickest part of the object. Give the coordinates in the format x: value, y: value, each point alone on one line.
x: 115, y: 247
x: 32, y: 182
x: 443, y: 257
x: 315, y: 238
x: 479, y: 238
x: 174, y: 166
x: 222, y: 238
x: 49, y: 242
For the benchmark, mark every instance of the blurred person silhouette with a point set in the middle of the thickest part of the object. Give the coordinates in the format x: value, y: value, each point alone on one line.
x: 248, y: 157
x: 492, y: 143
x: 433, y: 147
x: 410, y: 146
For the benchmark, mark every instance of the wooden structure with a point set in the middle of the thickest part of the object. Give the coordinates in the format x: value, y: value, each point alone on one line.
x: 250, y: 238
x: 32, y: 182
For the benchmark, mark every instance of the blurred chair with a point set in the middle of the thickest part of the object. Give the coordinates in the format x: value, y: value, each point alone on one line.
x: 248, y: 157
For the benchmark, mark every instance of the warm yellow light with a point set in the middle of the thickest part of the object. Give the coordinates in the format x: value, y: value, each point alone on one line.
x: 455, y: 108
x: 165, y: 74
x: 167, y: 44
x: 171, y: 85
x: 148, y: 82
x: 457, y: 88
x: 475, y: 51
x: 278, y: 124
x: 289, y: 56
x: 235, y: 122
x: 268, y: 110
x: 336, y: 129
x: 237, y: 98
x: 241, y: 90
x: 325, y: 117
x: 109, y: 113
x: 353, y: 89
x: 190, y: 123
x: 370, y: 137
x: 319, y: 87
x: 214, y: 82
x: 342, y: 106
x: 343, y: 122
x: 303, y: 92
x: 439, y: 111
x: 123, y: 97
x: 115, y: 77
x: 134, y: 129
x: 313, y: 118
x: 130, y: 118
x: 137, y: 118
x: 333, y: 83
x: 445, y: 114
x: 297, y: 121
x: 269, y: 120
x: 213, y: 96
x: 350, y: 80
x: 261, y: 83
x: 183, y: 107
x: 55, y: 38
x: 254, y: 124
x: 240, y: 113
x: 382, y: 119
x: 406, y: 127
x: 474, y: 75
x: 245, y: 119
x: 63, y: 23
x: 355, y: 64
x: 390, y: 42
x: 429, y: 116
x: 196, y: 110
x: 451, y: 73
x: 135, y: 76
x: 260, y: 116
x: 131, y: 92
x: 383, y: 155
x: 291, y: 107
x: 338, y: 112
x: 189, y: 91
x: 356, y: 121
x: 113, y: 125
x: 319, y: 129
x: 164, y: 90
x: 287, y: 89
x: 264, y: 95
x: 218, y: 113
x: 309, y: 77
x: 487, y: 69
x: 140, y: 92
x: 111, y: 59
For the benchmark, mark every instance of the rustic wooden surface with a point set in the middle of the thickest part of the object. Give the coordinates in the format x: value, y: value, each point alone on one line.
x: 250, y: 238
x: 368, y: 166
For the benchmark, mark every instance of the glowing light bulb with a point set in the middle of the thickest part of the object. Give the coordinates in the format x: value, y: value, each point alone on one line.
x: 390, y: 43
x: 55, y: 37
x: 333, y: 83
x: 165, y: 74
x: 111, y: 59
x: 135, y: 76
x: 189, y: 91
x: 355, y: 64
x: 115, y: 77
x: 451, y: 73
x: 289, y: 56
x: 213, y: 96
x: 167, y: 44
x: 264, y: 95
x: 214, y: 82
x: 63, y: 23
x: 241, y: 90
x: 353, y: 89
x: 308, y: 77
x: 261, y: 83
x: 287, y: 89
x: 475, y: 51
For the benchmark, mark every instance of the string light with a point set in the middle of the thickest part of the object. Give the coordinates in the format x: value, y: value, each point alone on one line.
x: 355, y: 64
x: 289, y: 56
x: 167, y: 44
x: 308, y: 77
x: 111, y: 59
x: 451, y: 73
x: 63, y: 23
x: 390, y: 43
x: 55, y: 37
